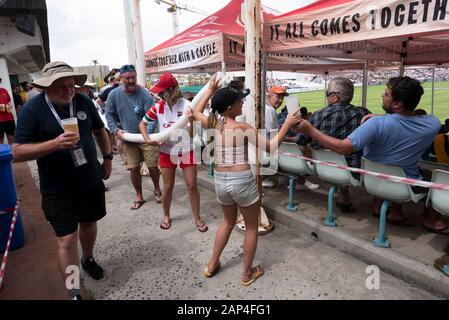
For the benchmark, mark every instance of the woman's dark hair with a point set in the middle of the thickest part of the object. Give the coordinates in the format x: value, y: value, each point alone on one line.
x: 406, y: 90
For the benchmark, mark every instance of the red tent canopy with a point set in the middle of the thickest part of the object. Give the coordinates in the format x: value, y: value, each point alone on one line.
x: 225, y: 21
x: 416, y: 32
x: 220, y: 38
x: 202, y: 47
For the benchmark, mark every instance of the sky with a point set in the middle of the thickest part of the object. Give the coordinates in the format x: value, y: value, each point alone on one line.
x: 85, y: 30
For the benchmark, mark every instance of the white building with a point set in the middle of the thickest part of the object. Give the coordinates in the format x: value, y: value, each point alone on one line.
x: 24, y: 41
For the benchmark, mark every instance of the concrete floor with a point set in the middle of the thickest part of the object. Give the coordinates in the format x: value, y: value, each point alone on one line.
x: 413, y: 242
x: 144, y: 262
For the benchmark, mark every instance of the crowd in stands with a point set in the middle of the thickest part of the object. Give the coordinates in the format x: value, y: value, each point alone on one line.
x: 379, y: 77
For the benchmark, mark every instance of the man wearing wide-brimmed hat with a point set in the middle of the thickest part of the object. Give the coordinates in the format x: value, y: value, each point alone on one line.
x: 70, y: 174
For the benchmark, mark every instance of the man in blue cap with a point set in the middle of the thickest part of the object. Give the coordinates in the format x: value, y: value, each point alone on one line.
x: 128, y: 104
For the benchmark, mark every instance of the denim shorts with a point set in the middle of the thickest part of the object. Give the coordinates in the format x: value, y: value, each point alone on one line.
x: 236, y: 188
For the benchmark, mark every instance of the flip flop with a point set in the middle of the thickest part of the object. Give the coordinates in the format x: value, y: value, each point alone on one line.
x: 345, y: 207
x: 438, y: 231
x: 441, y: 261
x: 404, y: 222
x: 137, y: 205
x: 158, y: 197
x: 202, y: 228
x: 209, y: 274
x: 165, y: 225
x: 257, y: 273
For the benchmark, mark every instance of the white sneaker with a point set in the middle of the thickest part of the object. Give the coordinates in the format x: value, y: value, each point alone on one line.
x: 311, y: 186
x: 306, y: 186
x: 267, y: 183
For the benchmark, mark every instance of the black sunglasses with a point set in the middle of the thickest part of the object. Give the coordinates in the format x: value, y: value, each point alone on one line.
x: 330, y: 93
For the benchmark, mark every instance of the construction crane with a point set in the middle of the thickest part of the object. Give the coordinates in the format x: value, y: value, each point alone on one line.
x: 175, y: 7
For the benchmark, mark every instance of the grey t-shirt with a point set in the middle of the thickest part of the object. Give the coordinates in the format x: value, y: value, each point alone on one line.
x: 128, y: 109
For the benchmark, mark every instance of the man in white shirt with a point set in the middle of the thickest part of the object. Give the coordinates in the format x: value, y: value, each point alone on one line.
x: 275, y: 98
x: 274, y: 101
x: 273, y: 121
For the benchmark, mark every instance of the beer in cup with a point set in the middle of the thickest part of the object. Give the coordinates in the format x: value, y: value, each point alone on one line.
x: 9, y: 108
x: 70, y: 125
x: 292, y: 104
x: 2, y: 107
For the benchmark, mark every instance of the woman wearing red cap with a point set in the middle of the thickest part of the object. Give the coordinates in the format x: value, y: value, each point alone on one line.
x: 235, y: 185
x: 166, y: 113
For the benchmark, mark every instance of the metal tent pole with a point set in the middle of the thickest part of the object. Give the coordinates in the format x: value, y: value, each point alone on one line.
x: 433, y: 92
x: 365, y: 84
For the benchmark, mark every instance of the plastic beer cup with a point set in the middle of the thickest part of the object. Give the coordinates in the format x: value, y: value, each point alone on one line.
x: 70, y: 125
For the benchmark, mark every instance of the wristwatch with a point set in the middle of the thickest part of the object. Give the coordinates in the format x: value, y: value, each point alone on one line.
x: 108, y: 157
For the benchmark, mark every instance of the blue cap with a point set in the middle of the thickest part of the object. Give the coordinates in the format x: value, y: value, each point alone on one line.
x: 127, y: 68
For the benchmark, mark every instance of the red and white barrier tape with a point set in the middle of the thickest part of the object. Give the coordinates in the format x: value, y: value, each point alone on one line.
x: 8, y: 244
x: 412, y: 182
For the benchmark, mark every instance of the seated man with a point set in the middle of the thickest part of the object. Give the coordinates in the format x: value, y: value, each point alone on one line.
x: 275, y: 98
x: 339, y: 119
x: 397, y: 138
x: 274, y: 121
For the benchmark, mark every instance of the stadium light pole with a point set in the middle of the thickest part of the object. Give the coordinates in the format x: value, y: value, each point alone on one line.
x: 133, y: 24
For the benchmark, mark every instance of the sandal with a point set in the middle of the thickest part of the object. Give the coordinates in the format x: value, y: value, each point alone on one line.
x: 256, y: 273
x: 158, y: 196
x: 442, y: 264
x: 165, y: 225
x: 209, y: 274
x: 443, y: 231
x: 202, y: 228
x: 137, y: 204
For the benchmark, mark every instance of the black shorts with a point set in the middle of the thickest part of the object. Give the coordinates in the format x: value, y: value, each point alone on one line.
x: 66, y: 211
x: 7, y: 127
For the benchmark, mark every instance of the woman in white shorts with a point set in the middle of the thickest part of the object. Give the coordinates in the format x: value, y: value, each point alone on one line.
x: 235, y: 184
